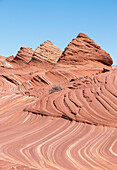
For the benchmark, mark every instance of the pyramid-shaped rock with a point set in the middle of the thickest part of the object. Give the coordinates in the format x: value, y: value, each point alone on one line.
x: 47, y: 51
x: 24, y: 55
x: 83, y: 48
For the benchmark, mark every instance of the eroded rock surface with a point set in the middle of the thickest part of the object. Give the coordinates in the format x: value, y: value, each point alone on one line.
x: 46, y: 55
x: 2, y: 58
x: 86, y: 99
x: 24, y: 55
x: 48, y: 52
x: 10, y: 58
x: 83, y: 48
x: 58, y: 115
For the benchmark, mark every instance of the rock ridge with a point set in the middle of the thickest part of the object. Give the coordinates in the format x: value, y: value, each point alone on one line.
x: 47, y: 51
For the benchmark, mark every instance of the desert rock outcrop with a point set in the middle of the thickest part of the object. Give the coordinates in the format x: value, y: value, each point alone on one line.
x: 24, y: 55
x: 48, y: 52
x: 2, y: 58
x: 86, y: 99
x: 58, y: 114
x: 83, y: 48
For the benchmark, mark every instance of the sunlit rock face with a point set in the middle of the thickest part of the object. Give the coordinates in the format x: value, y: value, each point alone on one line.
x: 24, y: 55
x: 2, y: 58
x: 58, y: 110
x: 83, y: 48
x: 90, y: 99
x: 47, y: 51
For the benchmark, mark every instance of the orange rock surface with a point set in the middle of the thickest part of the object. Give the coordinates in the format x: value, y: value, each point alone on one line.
x: 58, y: 111
x: 83, y: 48
x: 48, y: 52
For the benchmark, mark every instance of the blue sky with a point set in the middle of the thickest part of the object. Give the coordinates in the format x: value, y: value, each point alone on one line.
x: 31, y: 22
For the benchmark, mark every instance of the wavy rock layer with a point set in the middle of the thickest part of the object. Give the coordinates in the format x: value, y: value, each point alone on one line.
x: 82, y: 48
x: 48, y: 52
x: 57, y: 115
x: 24, y: 55
x: 30, y: 141
x: 87, y: 99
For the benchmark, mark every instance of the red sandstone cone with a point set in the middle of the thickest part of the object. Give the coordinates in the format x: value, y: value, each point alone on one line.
x: 83, y: 48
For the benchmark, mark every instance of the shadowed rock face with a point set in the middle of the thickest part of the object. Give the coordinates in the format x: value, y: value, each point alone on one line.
x: 57, y: 115
x: 83, y: 48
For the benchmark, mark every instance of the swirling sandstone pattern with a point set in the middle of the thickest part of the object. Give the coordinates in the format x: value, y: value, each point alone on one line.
x: 87, y: 99
x: 58, y: 116
x: 36, y: 142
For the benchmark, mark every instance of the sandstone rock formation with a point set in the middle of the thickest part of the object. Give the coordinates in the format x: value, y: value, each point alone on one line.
x: 83, y: 48
x: 2, y: 58
x: 48, y: 52
x: 10, y: 58
x: 58, y: 115
x: 24, y: 55
x: 86, y: 99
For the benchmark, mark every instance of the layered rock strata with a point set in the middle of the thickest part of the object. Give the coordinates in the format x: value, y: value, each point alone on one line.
x: 86, y: 99
x: 83, y: 48
x: 24, y: 55
x: 48, y: 52
x: 58, y: 114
